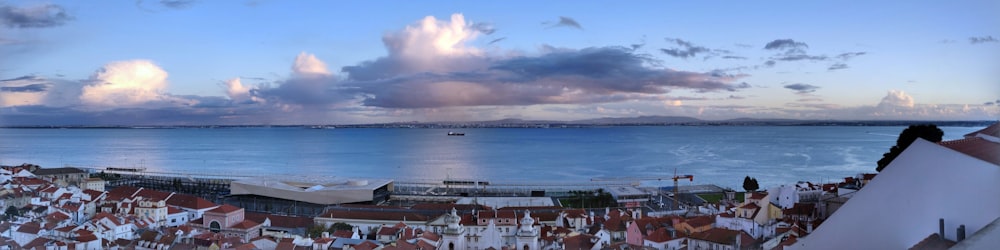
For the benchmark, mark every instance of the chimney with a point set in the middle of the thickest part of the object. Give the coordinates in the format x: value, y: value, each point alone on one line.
x: 326, y: 234
x: 941, y: 228
x: 961, y: 233
x: 809, y: 226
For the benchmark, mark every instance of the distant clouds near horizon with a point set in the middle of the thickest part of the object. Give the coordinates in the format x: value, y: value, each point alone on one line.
x: 454, y: 68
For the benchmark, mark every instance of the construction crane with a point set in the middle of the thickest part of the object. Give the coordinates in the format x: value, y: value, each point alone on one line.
x: 677, y: 188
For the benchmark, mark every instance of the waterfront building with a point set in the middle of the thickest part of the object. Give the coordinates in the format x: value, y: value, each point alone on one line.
x: 322, y: 191
x: 948, y: 189
x: 93, y: 184
x: 61, y: 176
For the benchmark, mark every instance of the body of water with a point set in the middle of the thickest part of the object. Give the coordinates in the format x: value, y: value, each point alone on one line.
x: 715, y: 155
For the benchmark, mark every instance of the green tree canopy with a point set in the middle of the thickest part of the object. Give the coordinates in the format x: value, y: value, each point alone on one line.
x: 928, y: 132
x: 750, y: 184
x: 340, y: 226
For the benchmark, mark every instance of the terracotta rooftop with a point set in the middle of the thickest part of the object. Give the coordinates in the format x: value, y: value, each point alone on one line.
x: 976, y: 147
x: 153, y: 194
x: 189, y: 201
x: 367, y: 245
x: 757, y: 195
x: 245, y: 224
x: 933, y: 241
x: 724, y: 236
x: 375, y: 215
x: 280, y: 220
x: 700, y: 221
x: 992, y: 130
x: 801, y: 209
x: 448, y: 206
x: 660, y: 235
x: 30, y: 228
x: 225, y: 209
x: 121, y: 192
x: 580, y: 241
x: 388, y: 231
x: 342, y: 234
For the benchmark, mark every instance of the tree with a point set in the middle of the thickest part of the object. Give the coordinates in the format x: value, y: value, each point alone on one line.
x: 11, y: 212
x: 316, y: 230
x: 928, y: 132
x: 750, y: 184
x: 340, y: 226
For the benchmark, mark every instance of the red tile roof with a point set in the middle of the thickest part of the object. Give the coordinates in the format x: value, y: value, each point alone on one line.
x: 976, y: 147
x: 342, y: 234
x: 86, y: 237
x: 448, y: 206
x: 375, y: 215
x: 153, y: 194
x: 285, y: 246
x: 430, y: 236
x: 387, y: 231
x: 367, y: 245
x: 245, y: 224
x: 724, y: 236
x: 56, y: 217
x: 758, y: 195
x: 580, y: 241
x: 280, y: 220
x: 807, y: 209
x: 614, y: 225
x: 224, y: 209
x: 424, y: 245
x: 700, y: 221
x: 660, y: 235
x: 93, y: 193
x: 992, y: 130
x: 30, y: 228
x: 121, y: 192
x: 173, y: 210
x: 750, y: 205
x: 189, y: 202
x: 933, y: 241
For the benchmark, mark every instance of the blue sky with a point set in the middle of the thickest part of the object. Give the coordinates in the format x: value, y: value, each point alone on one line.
x: 339, y: 62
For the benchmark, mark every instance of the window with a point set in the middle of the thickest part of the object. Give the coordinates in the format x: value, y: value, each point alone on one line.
x: 215, y: 227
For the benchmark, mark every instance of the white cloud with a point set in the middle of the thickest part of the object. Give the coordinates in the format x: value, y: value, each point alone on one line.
x: 896, y: 98
x: 237, y: 92
x: 126, y: 83
x: 307, y: 65
x: 427, y: 46
x: 431, y: 37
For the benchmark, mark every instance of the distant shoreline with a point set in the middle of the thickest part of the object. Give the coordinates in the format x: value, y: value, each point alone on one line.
x: 621, y: 122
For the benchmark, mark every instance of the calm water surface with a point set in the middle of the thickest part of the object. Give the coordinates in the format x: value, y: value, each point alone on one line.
x: 718, y: 155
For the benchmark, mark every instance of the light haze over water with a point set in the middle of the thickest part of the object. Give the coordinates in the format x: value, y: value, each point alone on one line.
x: 720, y: 155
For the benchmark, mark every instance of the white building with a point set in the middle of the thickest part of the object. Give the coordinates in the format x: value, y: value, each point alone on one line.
x: 955, y: 180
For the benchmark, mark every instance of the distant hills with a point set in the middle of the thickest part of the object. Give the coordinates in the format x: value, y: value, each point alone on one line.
x: 670, y: 121
x: 607, y: 121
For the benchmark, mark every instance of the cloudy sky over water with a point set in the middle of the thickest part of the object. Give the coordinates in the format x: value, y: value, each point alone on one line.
x: 174, y: 62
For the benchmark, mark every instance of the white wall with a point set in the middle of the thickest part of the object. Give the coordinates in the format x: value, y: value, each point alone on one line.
x: 901, y: 206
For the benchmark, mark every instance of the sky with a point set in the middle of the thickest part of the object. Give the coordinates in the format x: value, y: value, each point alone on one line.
x: 189, y: 62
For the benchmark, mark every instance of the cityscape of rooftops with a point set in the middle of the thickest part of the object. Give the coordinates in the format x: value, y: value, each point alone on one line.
x: 262, y: 124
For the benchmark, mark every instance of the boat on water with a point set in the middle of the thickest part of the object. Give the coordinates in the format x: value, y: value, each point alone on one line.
x: 455, y: 133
